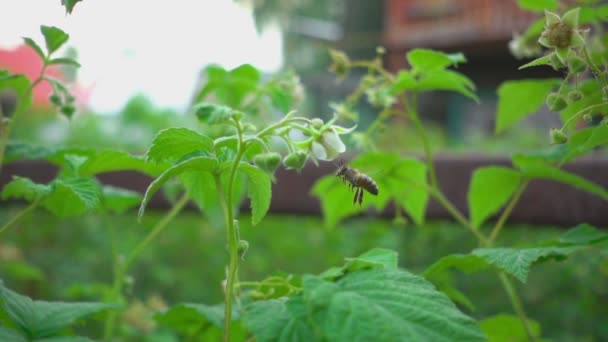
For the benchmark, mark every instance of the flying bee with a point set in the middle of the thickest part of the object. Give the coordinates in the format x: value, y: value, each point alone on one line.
x: 358, y: 181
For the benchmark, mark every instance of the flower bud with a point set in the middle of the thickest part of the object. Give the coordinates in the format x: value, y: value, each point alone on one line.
x: 341, y: 64
x: 558, y: 136
x: 558, y: 34
x: 68, y: 110
x: 56, y: 100
x: 267, y: 161
x: 575, y: 95
x: 556, y: 102
x: 588, y: 118
x: 8, y: 102
x: 316, y: 123
x: 295, y: 160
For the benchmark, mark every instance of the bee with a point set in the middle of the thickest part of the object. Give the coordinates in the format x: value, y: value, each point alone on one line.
x: 358, y: 181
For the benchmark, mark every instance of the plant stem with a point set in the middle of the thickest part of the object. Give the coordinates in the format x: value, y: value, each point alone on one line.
x: 505, y: 214
x: 517, y: 305
x: 582, y: 111
x: 19, y: 215
x: 122, y: 266
x: 232, y: 234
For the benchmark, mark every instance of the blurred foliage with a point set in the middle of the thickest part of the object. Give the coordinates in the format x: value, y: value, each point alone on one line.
x: 73, y: 262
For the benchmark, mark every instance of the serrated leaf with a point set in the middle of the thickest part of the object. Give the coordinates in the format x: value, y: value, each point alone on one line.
x: 116, y: 160
x: 538, y: 5
x: 517, y: 262
x: 544, y: 60
x: 374, y: 258
x: 425, y: 59
x: 533, y: 168
x: 490, y: 189
x: 39, y: 319
x: 508, y: 328
x: 583, y: 234
x: 16, y: 150
x: 258, y: 190
x: 280, y: 320
x: 54, y: 37
x: 201, y: 164
x: 72, y: 196
x: 119, y: 200
x: 440, y: 79
x: 204, y: 321
x: 21, y: 85
x: 65, y: 61
x: 24, y: 188
x: 31, y: 43
x: 467, y: 263
x: 518, y: 99
x: 172, y: 144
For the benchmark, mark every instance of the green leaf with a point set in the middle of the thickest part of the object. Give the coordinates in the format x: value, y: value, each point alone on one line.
x: 53, y: 37
x: 518, y: 99
x: 7, y: 334
x: 213, y: 113
x: 31, y: 43
x: 172, y: 144
x: 405, y: 81
x: 490, y: 189
x: 204, y: 321
x: 21, y: 85
x: 64, y: 339
x: 440, y: 79
x: 119, y: 200
x: 374, y: 258
x: 258, y: 190
x: 423, y: 60
x: 16, y: 150
x: 201, y: 164
x: 538, y: 5
x: 583, y: 234
x: 405, y: 187
x: 279, y: 320
x: 585, y: 140
x: 20, y: 187
x: 39, y: 319
x: 116, y: 160
x: 69, y: 5
x: 377, y: 304
x: 533, y: 168
x: 544, y: 60
x: 65, y: 61
x: 508, y: 328
x: 517, y: 262
x: 72, y: 196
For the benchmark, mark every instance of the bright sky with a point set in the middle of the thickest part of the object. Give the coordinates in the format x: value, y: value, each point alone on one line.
x: 154, y: 47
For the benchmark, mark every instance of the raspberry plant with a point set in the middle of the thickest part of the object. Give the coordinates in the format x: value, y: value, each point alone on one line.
x: 248, y: 129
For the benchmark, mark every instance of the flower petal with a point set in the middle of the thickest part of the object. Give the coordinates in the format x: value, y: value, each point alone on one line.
x: 319, y: 151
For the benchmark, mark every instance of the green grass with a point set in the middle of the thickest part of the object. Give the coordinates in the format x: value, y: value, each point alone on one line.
x: 55, y: 259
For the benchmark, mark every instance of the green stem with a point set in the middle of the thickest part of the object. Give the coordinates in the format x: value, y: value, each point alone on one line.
x: 505, y: 214
x: 232, y: 234
x: 595, y: 69
x: 19, y: 215
x: 277, y: 125
x: 581, y: 112
x: 517, y: 305
x: 440, y: 197
x: 121, y: 267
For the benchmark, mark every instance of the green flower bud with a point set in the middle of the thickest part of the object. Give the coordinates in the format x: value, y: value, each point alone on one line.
x: 556, y: 102
x: 68, y: 110
x: 558, y: 34
x: 8, y: 102
x: 56, y: 100
x: 577, y: 64
x: 340, y: 63
x: 295, y: 160
x: 588, y: 118
x: 316, y: 123
x: 575, y: 95
x: 558, y: 136
x: 267, y: 161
